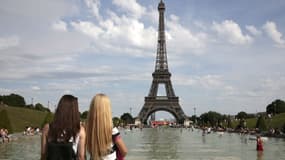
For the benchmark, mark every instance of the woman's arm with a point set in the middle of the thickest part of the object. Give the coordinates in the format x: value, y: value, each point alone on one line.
x: 81, y: 146
x: 44, y: 141
x: 121, y: 145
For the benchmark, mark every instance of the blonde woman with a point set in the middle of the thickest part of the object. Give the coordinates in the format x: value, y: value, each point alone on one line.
x: 103, y: 141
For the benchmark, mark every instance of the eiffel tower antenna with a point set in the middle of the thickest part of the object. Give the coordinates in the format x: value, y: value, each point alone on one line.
x: 161, y: 75
x: 161, y: 56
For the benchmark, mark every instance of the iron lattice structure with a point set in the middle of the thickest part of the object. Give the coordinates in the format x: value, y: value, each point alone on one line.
x: 161, y: 75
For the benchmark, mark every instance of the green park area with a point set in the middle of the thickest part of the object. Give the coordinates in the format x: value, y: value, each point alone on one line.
x: 15, y: 115
x: 16, y: 119
x: 275, y: 122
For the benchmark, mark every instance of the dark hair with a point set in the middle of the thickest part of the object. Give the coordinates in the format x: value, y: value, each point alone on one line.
x: 66, y: 122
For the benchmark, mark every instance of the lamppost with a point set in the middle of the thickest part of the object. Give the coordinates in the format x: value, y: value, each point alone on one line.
x: 194, y: 115
x: 130, y: 110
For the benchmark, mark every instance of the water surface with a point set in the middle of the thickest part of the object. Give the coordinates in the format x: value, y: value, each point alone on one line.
x: 167, y: 144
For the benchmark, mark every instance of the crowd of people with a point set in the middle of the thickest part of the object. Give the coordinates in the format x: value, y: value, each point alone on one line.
x: 4, y: 135
x: 66, y: 138
x: 30, y: 131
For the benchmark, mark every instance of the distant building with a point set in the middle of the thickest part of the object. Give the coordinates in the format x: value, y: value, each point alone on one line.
x: 161, y: 123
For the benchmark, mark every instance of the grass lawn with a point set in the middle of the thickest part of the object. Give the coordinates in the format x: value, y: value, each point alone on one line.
x: 22, y: 117
x: 276, y: 121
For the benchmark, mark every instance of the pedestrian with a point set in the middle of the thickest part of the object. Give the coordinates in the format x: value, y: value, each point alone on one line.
x: 64, y: 138
x: 103, y: 141
x: 259, y: 143
x: 4, y: 134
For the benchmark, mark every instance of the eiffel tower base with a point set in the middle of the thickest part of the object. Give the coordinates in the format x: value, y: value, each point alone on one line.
x: 168, y: 104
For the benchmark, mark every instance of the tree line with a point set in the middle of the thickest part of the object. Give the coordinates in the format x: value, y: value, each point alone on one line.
x: 215, y: 119
x: 15, y: 100
x: 124, y: 119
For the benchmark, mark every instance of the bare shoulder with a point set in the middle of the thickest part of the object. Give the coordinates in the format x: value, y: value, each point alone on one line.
x: 82, y: 130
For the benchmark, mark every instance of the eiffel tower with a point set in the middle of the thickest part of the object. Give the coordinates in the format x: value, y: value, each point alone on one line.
x: 161, y: 75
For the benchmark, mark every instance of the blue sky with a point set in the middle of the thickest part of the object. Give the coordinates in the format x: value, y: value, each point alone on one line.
x: 224, y: 56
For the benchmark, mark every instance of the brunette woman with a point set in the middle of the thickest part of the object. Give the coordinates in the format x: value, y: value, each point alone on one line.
x: 64, y: 138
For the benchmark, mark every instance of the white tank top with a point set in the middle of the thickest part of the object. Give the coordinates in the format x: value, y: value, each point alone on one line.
x: 75, y: 144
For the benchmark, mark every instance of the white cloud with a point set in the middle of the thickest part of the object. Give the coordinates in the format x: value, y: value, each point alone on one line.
x: 185, y: 80
x: 206, y: 81
x: 271, y: 30
x: 253, y: 30
x: 68, y: 85
x: 174, y: 18
x: 131, y: 6
x: 274, y: 85
x: 7, y: 42
x: 94, y: 6
x: 200, y: 25
x: 36, y: 88
x: 230, y: 91
x: 127, y: 34
x: 6, y: 91
x: 231, y: 32
x: 152, y: 15
x: 119, y: 33
x: 88, y: 28
x: 34, y: 12
x: 60, y: 26
x: 181, y: 39
x: 211, y: 81
x: 129, y: 29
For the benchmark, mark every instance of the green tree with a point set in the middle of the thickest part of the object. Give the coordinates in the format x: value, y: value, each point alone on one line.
x: 276, y: 107
x: 30, y: 106
x: 260, y: 123
x: 127, y: 118
x: 204, y: 119
x: 241, y: 115
x: 193, y: 118
x: 116, y: 121
x: 242, y: 123
x: 40, y: 107
x: 14, y: 100
x: 229, y: 122
x: 84, y: 115
x: 212, y: 118
x: 5, y: 121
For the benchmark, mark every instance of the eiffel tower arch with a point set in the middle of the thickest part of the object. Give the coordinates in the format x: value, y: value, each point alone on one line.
x: 161, y: 76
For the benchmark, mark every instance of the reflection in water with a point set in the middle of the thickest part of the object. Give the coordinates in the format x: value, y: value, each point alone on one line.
x: 162, y: 144
x: 259, y: 155
x: 25, y: 147
x: 203, y: 139
x: 243, y: 138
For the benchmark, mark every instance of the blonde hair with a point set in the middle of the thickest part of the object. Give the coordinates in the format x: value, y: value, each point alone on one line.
x: 99, y: 127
